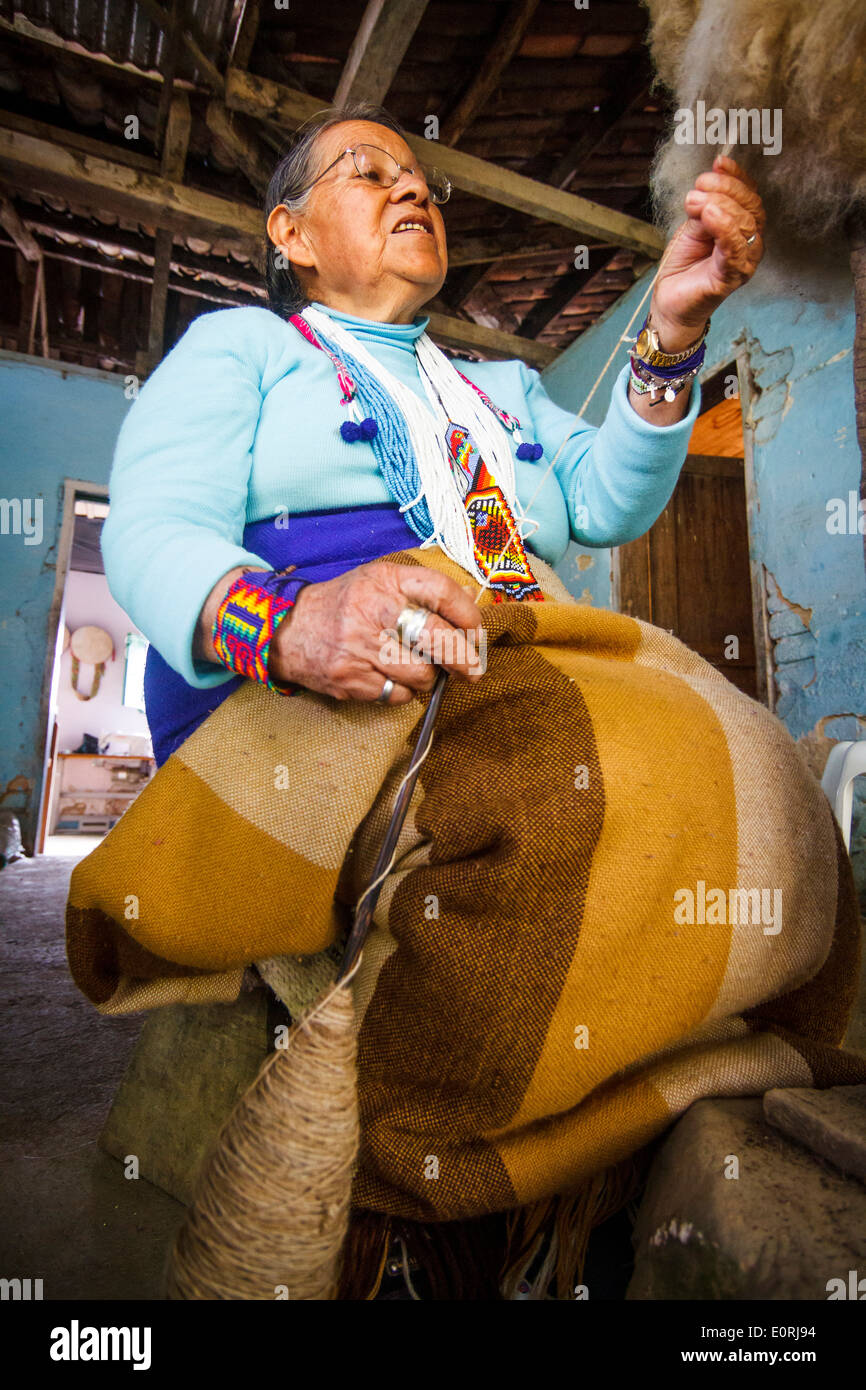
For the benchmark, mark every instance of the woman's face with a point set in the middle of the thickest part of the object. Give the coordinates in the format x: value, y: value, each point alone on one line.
x: 344, y: 245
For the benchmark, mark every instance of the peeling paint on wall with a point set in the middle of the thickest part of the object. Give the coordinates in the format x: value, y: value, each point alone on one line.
x: 770, y: 395
x: 794, y: 646
x: 17, y: 795
x: 77, y: 414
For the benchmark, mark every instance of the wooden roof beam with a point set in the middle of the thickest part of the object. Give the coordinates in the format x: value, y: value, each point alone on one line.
x: 174, y: 150
x: 245, y: 35
x: 258, y: 96
x: 378, y: 48
x: 23, y: 239
x: 46, y: 167
x: 230, y: 130
x: 595, y: 129
x: 511, y: 246
x: 502, y: 50
x: 176, y: 140
x: 562, y: 293
x: 462, y: 333
x: 190, y: 38
x: 72, y: 140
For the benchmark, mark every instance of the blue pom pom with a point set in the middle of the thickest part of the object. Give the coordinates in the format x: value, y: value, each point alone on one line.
x: 369, y: 428
x: 539, y: 450
x: 526, y: 451
x: 350, y: 431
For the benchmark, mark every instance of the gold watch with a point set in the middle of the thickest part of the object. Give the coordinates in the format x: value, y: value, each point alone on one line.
x: 648, y: 349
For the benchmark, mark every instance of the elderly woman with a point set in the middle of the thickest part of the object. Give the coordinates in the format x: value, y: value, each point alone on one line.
x: 240, y: 457
x: 583, y: 929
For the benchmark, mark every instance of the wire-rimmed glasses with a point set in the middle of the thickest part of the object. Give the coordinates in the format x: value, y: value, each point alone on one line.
x: 382, y: 170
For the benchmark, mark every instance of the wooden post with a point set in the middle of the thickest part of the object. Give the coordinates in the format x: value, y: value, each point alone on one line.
x: 32, y: 283
x: 857, y: 249
x: 377, y: 50
x: 174, y: 151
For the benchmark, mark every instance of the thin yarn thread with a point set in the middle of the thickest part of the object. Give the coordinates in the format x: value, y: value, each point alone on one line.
x: 622, y: 338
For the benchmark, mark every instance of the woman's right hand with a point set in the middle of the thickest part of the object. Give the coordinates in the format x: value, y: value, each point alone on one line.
x: 340, y: 638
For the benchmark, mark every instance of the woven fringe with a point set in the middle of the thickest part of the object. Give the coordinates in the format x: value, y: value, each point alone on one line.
x: 460, y: 1260
x: 364, y: 1254
x: 487, y: 1258
x: 566, y: 1222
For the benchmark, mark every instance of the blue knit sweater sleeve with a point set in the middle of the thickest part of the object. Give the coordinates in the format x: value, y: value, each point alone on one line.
x: 617, y: 478
x: 178, y: 486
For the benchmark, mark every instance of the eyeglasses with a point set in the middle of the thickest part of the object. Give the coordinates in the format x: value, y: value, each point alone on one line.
x: 381, y: 169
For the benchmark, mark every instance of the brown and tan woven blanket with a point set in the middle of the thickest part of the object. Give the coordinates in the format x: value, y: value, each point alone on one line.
x: 618, y: 889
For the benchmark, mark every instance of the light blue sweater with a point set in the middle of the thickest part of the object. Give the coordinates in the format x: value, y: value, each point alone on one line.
x: 241, y: 422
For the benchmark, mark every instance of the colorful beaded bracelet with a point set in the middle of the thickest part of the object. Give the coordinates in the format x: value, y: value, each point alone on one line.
x: 247, y: 619
x: 669, y: 380
x: 671, y: 389
x: 670, y: 393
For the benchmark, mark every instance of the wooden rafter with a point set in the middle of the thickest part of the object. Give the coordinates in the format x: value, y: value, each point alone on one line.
x: 32, y: 277
x: 596, y: 128
x: 445, y: 329
x: 460, y: 285
x: 256, y: 164
x: 460, y: 333
x: 244, y: 112
x: 378, y: 48
x: 23, y: 239
x: 48, y: 167
x: 502, y: 50
x: 258, y: 96
x: 176, y: 142
x: 174, y: 153
x: 245, y: 38
x: 563, y: 292
x: 227, y: 128
x: 507, y: 246
x: 231, y: 131
x: 191, y: 39
x: 173, y: 206
x: 72, y: 140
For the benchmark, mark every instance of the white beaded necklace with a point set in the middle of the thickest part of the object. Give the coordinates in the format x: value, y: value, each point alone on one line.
x: 451, y: 401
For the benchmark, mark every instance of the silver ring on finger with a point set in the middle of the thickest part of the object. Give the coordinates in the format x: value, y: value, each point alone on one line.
x: 410, y: 624
x: 386, y: 691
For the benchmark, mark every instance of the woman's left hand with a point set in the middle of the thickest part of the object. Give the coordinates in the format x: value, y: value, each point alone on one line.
x: 709, y: 255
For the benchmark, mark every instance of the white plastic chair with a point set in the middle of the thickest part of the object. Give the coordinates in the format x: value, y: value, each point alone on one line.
x: 846, y: 761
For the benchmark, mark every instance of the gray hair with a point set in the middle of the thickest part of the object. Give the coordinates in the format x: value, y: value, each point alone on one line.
x: 294, y: 173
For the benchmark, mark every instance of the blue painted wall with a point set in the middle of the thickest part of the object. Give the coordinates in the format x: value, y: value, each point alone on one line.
x: 797, y: 326
x: 56, y: 421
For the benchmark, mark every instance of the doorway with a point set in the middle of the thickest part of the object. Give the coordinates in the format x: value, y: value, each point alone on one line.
x: 98, y: 751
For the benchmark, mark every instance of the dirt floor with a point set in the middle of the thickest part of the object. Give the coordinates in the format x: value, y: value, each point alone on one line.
x: 68, y: 1215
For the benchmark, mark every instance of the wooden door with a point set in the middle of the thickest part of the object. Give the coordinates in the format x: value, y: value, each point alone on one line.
x: 690, y: 573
